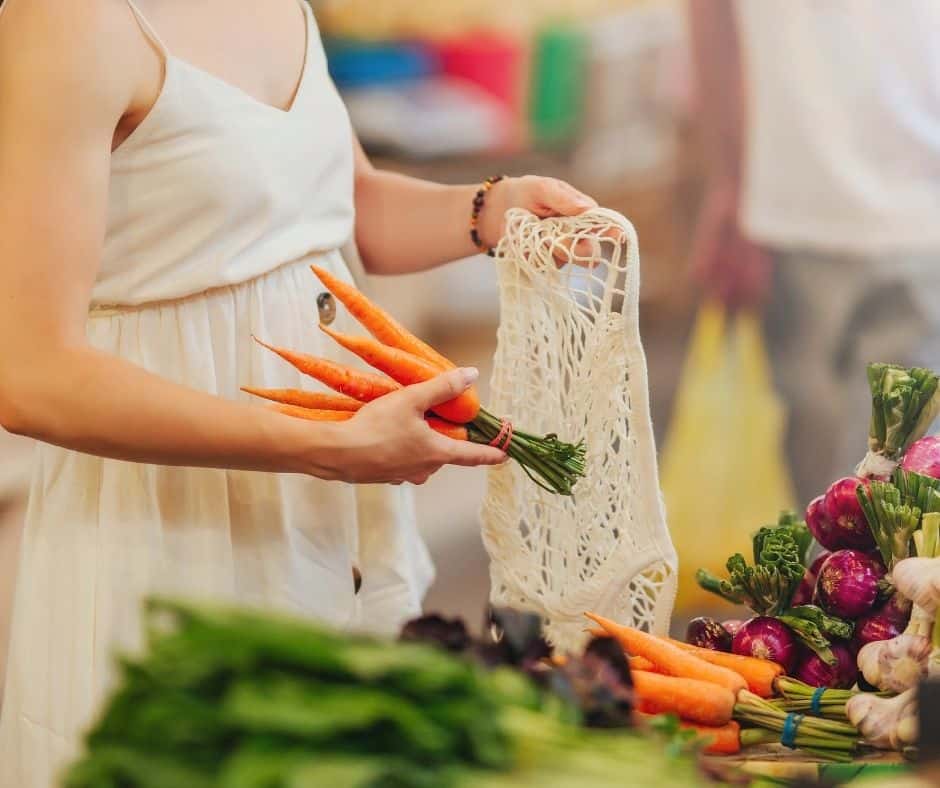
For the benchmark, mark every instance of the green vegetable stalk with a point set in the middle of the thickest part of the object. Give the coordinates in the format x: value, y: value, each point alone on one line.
x: 826, y: 739
x: 918, y: 490
x: 904, y: 404
x: 799, y: 697
x: 813, y: 626
x: 768, y: 586
x: 892, y: 522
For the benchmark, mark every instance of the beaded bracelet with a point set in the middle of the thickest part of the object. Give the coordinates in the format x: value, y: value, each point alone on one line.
x: 478, y: 202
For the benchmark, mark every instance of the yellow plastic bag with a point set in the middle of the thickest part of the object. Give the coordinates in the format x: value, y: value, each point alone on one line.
x: 723, y: 472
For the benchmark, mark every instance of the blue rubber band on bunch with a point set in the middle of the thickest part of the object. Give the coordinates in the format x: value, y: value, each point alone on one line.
x: 790, y: 726
x: 815, y: 703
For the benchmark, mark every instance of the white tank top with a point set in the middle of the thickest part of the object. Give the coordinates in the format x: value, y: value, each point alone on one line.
x: 183, y: 219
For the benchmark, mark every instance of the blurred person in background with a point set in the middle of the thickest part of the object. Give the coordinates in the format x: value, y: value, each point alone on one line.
x: 15, y: 462
x: 167, y: 176
x: 821, y: 124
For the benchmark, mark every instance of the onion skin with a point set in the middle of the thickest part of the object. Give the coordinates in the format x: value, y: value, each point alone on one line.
x: 843, y: 675
x: 836, y: 519
x: 767, y: 638
x: 732, y: 625
x: 708, y: 633
x: 804, y: 593
x: 923, y: 457
x: 873, y: 627
x: 847, y: 585
x: 819, y: 524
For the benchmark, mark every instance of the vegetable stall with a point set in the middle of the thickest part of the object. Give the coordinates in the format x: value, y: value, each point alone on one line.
x: 824, y: 679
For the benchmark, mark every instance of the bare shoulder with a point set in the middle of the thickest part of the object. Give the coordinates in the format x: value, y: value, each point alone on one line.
x: 69, y: 56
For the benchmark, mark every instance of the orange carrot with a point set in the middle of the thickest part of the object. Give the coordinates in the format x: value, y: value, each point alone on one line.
x: 454, y: 431
x: 693, y: 700
x: 457, y: 432
x: 315, y: 400
x: 378, y: 322
x: 668, y: 658
x: 642, y: 663
x: 723, y: 740
x: 310, y: 414
x: 363, y: 386
x: 408, y: 369
x: 760, y: 674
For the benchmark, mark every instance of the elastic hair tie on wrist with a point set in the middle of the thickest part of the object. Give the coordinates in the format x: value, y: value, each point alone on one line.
x: 790, y: 727
x: 479, y: 200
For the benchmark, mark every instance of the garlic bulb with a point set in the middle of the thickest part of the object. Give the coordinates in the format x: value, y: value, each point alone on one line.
x: 919, y: 580
x: 895, y: 665
x: 886, y: 723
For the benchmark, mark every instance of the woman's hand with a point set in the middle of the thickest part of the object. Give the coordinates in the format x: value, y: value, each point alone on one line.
x: 542, y: 196
x: 389, y: 441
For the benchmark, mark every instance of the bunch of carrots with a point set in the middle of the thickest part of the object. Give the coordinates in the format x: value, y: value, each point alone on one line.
x: 713, y: 692
x: 405, y: 360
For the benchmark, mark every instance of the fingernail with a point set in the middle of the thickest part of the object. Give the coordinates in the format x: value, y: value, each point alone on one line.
x: 470, y: 375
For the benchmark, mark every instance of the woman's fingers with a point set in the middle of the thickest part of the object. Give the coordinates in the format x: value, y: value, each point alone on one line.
x: 443, y: 388
x: 556, y: 198
x: 471, y: 455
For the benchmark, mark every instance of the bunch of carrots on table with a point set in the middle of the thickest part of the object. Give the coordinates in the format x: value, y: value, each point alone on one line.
x: 724, y: 698
x: 405, y: 360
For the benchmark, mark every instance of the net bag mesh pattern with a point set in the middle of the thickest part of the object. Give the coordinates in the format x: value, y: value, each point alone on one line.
x: 569, y: 361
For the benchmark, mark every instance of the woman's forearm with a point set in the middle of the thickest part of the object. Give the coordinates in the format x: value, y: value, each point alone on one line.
x: 91, y: 402
x: 408, y: 225
x: 405, y: 225
x: 720, y: 89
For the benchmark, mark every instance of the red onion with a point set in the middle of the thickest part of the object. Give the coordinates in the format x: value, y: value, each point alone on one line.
x: 923, y: 457
x: 813, y: 671
x: 883, y: 623
x: 847, y: 585
x: 850, y: 529
x: 708, y: 633
x: 804, y: 593
x: 819, y: 524
x: 733, y: 625
x: 767, y: 638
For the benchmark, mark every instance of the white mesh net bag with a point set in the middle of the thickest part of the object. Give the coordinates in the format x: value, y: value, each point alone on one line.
x: 569, y: 361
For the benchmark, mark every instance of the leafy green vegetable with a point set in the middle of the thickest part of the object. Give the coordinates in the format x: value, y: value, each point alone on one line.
x: 904, y: 404
x: 892, y: 522
x: 813, y: 626
x: 790, y: 523
x: 228, y: 698
x: 768, y: 586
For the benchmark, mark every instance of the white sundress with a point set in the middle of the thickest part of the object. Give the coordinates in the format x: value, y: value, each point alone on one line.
x: 218, y: 204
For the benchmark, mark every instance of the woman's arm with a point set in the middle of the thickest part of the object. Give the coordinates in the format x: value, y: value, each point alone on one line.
x: 68, y: 74
x: 405, y: 225
x: 729, y: 266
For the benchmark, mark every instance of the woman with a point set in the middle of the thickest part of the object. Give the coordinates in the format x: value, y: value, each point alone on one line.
x: 166, y: 178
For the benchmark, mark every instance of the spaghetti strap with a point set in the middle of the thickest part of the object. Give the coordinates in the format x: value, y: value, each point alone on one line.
x: 148, y: 29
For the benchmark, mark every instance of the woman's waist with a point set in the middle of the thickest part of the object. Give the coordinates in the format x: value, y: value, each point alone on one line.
x: 133, y: 291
